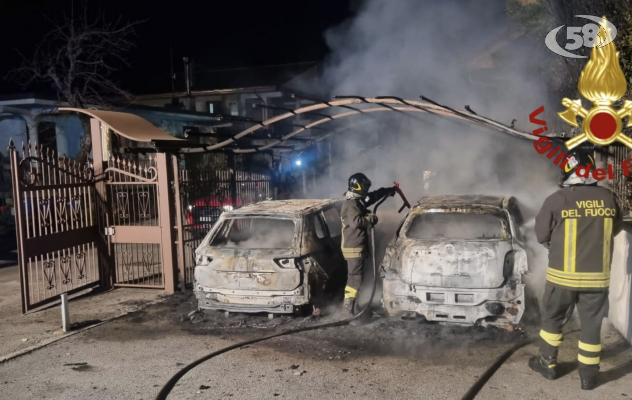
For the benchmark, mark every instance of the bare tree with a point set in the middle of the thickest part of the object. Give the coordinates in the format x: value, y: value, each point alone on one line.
x: 78, y: 58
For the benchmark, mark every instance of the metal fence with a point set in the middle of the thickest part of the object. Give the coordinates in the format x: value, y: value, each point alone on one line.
x: 621, y: 183
x: 204, y: 196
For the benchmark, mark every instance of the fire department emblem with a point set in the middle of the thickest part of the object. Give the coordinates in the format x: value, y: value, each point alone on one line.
x: 603, y: 83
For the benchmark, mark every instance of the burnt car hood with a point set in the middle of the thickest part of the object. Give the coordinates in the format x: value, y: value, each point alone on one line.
x: 247, y: 269
x: 457, y: 263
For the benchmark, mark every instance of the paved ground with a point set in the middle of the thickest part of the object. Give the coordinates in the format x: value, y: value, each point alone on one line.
x: 22, y: 331
x: 131, y: 358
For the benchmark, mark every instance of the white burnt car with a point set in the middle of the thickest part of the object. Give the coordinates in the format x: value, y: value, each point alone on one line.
x: 458, y: 259
x: 272, y: 256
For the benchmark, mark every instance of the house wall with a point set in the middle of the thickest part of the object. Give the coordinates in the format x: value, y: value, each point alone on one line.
x: 621, y: 285
x: 13, y: 128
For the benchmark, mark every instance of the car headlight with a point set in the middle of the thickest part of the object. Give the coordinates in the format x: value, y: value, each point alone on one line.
x: 228, y: 208
x: 190, y: 207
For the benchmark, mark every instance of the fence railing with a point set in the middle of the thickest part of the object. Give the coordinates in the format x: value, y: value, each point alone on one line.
x: 205, y: 195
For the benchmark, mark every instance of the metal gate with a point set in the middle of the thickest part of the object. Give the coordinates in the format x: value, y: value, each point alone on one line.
x: 203, y: 197
x: 57, y: 234
x: 137, y: 221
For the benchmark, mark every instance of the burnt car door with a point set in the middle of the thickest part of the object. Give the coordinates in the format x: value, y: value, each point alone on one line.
x: 324, y: 249
x: 331, y: 216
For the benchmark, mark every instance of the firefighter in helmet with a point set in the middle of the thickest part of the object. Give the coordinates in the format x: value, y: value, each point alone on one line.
x: 577, y: 224
x: 356, y: 219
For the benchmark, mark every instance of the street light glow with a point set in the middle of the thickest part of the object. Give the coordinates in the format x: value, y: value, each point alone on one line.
x: 298, y: 162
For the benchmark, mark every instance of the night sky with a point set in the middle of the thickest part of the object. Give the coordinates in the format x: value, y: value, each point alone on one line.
x: 217, y: 34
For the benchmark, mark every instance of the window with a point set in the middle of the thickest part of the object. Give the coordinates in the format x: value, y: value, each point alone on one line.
x: 332, y: 218
x: 319, y: 228
x: 255, y: 233
x: 214, y: 107
x: 457, y: 226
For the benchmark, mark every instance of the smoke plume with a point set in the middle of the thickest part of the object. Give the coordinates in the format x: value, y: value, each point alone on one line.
x: 457, y: 53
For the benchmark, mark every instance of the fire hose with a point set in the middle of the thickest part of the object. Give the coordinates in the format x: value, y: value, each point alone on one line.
x: 168, y: 387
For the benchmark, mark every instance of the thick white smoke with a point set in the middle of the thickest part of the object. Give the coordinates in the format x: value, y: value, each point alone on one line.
x: 440, y: 50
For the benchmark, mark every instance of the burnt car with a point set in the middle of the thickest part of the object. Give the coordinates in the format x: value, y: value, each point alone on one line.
x: 277, y: 257
x: 458, y: 259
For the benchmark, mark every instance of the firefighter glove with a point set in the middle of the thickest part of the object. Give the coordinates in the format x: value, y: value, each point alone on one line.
x: 372, y: 219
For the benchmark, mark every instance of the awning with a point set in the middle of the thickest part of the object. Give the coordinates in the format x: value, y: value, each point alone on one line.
x: 129, y: 126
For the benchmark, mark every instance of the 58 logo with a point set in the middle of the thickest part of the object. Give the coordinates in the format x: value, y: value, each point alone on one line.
x: 578, y: 36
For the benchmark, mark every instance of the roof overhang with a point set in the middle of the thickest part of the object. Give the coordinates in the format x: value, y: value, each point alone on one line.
x: 128, y: 125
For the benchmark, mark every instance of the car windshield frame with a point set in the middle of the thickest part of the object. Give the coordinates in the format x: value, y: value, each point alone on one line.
x: 221, y: 223
x: 498, y: 213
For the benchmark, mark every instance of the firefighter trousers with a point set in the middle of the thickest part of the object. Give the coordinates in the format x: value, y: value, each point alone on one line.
x: 592, y: 307
x: 354, y: 277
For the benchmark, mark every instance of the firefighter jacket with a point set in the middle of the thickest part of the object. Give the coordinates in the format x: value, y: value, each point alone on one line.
x: 354, y: 215
x: 578, y: 224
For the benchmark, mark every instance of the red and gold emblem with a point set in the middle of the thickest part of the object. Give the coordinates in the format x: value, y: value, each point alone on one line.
x: 603, y: 83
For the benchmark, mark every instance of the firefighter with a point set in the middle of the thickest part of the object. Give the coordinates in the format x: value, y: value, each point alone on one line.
x: 577, y: 224
x: 356, y: 219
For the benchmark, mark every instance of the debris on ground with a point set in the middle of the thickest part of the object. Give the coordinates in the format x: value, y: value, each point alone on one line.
x: 294, y: 366
x: 204, y: 387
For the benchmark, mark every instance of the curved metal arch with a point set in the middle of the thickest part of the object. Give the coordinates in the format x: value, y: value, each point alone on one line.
x: 320, y: 122
x: 385, y: 102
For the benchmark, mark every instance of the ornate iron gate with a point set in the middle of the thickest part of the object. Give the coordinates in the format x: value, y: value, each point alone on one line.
x: 135, y: 228
x: 203, y: 197
x: 56, y: 225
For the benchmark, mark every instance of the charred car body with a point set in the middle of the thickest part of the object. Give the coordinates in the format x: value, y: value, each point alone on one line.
x: 271, y: 256
x: 458, y: 259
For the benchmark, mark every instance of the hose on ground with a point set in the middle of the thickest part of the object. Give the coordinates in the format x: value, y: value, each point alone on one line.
x: 168, y: 387
x: 482, y: 380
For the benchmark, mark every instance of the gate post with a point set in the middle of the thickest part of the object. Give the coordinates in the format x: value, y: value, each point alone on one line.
x: 20, y: 207
x: 102, y: 209
x: 180, y: 234
x: 169, y: 263
x: 233, y: 178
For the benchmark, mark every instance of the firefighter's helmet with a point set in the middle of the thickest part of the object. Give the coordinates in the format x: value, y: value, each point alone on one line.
x: 575, y: 159
x: 359, y: 183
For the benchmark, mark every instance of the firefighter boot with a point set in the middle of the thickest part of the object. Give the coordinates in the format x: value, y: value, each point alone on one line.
x: 347, y: 308
x: 588, y: 379
x: 545, y: 366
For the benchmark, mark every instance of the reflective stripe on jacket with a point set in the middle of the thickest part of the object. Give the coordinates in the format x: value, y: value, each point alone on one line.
x: 580, y: 223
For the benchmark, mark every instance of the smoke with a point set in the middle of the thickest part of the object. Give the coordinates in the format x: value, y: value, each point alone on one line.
x: 457, y: 53
x: 256, y: 233
x: 456, y: 226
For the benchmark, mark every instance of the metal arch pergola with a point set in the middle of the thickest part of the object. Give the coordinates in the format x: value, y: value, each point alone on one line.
x: 381, y: 104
